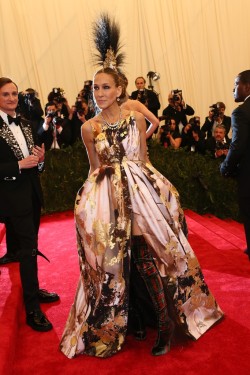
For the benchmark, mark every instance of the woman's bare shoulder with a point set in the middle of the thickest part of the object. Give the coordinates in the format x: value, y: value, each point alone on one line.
x: 131, y: 105
x: 93, y: 125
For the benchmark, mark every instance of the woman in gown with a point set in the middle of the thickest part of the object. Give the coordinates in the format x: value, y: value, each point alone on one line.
x: 127, y: 208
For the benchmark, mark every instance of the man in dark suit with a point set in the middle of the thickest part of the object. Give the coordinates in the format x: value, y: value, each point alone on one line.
x: 177, y: 109
x: 218, y: 144
x: 237, y: 162
x: 21, y: 159
x: 147, y: 97
x: 55, y: 131
x: 216, y: 116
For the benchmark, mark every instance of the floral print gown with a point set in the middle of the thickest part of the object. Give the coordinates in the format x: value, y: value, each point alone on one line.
x: 125, y: 187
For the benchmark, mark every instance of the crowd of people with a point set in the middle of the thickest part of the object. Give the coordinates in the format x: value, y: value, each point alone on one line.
x: 182, y: 130
x: 59, y: 125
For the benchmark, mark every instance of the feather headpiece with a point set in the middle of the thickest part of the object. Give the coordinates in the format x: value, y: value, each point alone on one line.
x: 107, y: 41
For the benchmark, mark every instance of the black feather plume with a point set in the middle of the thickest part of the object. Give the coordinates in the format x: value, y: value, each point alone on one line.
x: 106, y: 34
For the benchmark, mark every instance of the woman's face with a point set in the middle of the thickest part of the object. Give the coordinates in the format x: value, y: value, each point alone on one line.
x: 172, y: 125
x: 105, y: 90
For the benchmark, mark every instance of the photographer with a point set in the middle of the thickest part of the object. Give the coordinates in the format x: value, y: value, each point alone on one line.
x: 178, y: 109
x: 87, y: 94
x: 216, y: 116
x: 169, y: 134
x: 218, y: 145
x: 192, y: 137
x: 29, y: 107
x: 55, y: 132
x: 57, y: 96
x: 79, y: 115
x: 147, y: 97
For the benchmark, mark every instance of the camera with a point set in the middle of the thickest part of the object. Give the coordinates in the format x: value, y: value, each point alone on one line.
x: 58, y: 95
x: 142, y: 97
x: 56, y: 118
x: 86, y: 92
x: 87, y: 86
x: 29, y: 97
x: 221, y: 146
x: 166, y: 129
x: 58, y: 91
x: 51, y: 114
x: 215, y: 111
x: 194, y: 122
x: 177, y: 95
x: 79, y: 109
x: 26, y: 98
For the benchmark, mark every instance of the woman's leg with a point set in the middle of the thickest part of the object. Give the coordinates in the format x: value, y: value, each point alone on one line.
x: 150, y: 274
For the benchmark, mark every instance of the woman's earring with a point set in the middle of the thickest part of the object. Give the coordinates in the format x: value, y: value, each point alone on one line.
x: 118, y: 99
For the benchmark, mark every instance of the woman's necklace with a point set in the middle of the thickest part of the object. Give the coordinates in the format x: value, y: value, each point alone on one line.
x: 115, y: 125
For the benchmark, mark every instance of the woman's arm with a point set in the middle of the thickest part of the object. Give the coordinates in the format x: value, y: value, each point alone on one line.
x: 135, y: 105
x: 88, y: 140
x: 141, y: 125
x: 175, y: 142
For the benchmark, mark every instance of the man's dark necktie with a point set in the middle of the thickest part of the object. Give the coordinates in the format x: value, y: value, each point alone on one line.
x: 16, y: 120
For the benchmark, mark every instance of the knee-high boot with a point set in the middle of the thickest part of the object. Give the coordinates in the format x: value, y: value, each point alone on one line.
x: 150, y: 274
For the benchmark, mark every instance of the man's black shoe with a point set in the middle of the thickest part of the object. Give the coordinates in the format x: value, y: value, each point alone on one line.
x: 7, y: 258
x: 38, y: 321
x: 47, y: 297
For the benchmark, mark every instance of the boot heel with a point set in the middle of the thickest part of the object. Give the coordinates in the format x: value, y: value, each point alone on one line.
x: 162, y: 344
x: 138, y: 326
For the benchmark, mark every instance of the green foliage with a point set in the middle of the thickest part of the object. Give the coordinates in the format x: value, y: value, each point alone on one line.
x: 198, y: 180
x: 65, y: 171
x: 196, y: 177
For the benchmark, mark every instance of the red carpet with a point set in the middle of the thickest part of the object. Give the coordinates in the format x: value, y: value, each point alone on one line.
x: 223, y: 350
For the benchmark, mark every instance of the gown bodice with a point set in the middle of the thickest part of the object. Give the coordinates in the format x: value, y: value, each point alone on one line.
x: 113, y: 145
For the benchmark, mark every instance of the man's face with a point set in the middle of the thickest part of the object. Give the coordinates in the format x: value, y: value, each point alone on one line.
x: 177, y: 102
x: 51, y: 109
x: 8, y: 98
x: 219, y: 134
x: 140, y: 84
x: 241, y: 90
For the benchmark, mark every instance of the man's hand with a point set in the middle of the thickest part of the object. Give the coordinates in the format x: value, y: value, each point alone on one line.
x: 30, y: 162
x: 219, y: 153
x: 195, y: 136
x: 40, y: 152
x: 47, y: 119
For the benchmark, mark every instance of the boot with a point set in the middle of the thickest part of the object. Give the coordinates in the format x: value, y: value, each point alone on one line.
x: 150, y: 274
x: 162, y: 344
x: 137, y: 324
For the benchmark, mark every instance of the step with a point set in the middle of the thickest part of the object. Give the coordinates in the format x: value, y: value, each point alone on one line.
x: 213, y: 233
x: 230, y: 225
